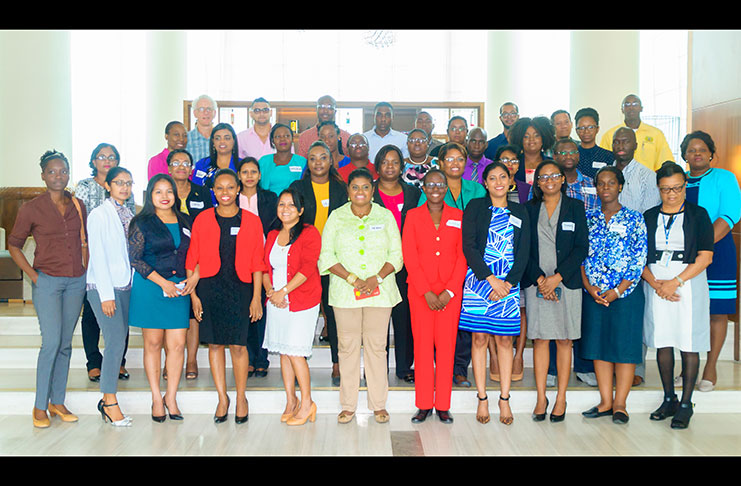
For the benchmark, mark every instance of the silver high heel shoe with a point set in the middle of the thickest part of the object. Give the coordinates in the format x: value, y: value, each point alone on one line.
x: 124, y: 422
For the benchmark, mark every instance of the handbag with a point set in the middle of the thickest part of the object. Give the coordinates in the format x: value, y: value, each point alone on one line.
x: 83, y: 238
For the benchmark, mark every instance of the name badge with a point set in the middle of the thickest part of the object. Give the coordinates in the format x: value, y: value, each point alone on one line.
x: 186, y: 232
x: 454, y: 223
x: 235, y: 230
x: 568, y: 226
x: 200, y: 174
x: 196, y: 204
x: 515, y: 221
x: 295, y: 168
x: 325, y: 203
x: 598, y: 165
x: 666, y: 257
x: 376, y: 227
x: 400, y: 206
x: 618, y: 228
x: 590, y: 190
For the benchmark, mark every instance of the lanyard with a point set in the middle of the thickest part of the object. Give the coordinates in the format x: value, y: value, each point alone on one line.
x: 668, y: 227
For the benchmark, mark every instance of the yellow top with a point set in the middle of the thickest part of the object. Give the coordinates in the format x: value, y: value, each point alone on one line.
x: 321, y: 194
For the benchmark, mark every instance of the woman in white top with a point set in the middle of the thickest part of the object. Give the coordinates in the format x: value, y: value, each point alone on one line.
x: 109, y: 284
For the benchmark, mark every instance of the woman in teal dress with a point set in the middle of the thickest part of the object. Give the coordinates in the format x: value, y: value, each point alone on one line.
x: 159, y: 237
x: 278, y: 170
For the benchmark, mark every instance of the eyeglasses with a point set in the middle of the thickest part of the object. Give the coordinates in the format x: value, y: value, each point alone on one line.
x: 675, y: 189
x: 435, y: 185
x: 564, y: 153
x: 177, y: 163
x: 356, y: 145
x: 631, y: 103
x: 586, y: 127
x: 547, y: 177
x: 112, y: 158
x: 454, y: 159
x: 260, y: 110
x: 121, y: 183
x: 324, y: 107
x: 509, y: 161
x: 416, y: 140
x: 458, y: 129
x: 509, y: 114
x: 477, y: 141
x: 204, y: 110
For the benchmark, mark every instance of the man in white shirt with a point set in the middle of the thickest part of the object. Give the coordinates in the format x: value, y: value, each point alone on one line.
x: 640, y: 191
x: 382, y: 134
x: 255, y: 141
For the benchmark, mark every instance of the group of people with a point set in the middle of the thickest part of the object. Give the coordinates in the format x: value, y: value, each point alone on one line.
x: 467, y: 247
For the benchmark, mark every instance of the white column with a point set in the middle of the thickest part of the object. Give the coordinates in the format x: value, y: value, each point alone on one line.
x: 501, y: 85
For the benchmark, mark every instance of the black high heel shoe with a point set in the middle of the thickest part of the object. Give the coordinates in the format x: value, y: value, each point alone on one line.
x: 173, y: 416
x: 221, y: 419
x: 539, y: 417
x: 667, y: 409
x: 159, y: 418
x: 681, y: 419
x: 559, y: 418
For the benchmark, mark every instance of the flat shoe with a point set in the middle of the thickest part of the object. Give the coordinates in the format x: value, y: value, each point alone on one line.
x: 595, y: 413
x: 444, y: 416
x: 261, y: 373
x: 95, y: 378
x: 667, y: 409
x: 705, y: 386
x: 461, y: 380
x: 382, y: 416
x: 421, y: 415
x: 345, y: 417
x: 620, y: 418
x: 123, y: 374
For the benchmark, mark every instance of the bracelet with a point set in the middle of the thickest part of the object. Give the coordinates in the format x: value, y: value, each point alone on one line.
x: 617, y: 292
x: 450, y: 293
x: 681, y: 282
x: 351, y: 278
x: 285, y: 289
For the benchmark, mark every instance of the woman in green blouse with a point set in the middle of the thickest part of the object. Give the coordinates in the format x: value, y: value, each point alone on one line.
x: 361, y: 252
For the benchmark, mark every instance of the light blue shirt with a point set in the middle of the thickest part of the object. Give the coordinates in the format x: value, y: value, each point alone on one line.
x: 377, y: 142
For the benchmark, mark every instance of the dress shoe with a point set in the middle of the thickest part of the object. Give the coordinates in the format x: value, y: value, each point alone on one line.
x: 409, y: 378
x: 444, y: 416
x: 705, y: 386
x: 219, y: 419
x: 284, y: 417
x: 65, y: 416
x: 620, y: 418
x: 345, y: 417
x: 173, y: 416
x: 637, y: 380
x: 94, y: 375
x: 558, y: 418
x: 40, y: 423
x: 261, y: 373
x: 124, y: 422
x: 158, y: 418
x: 461, y: 380
x: 297, y: 421
x: 421, y: 415
x: 595, y: 413
x: 681, y: 419
x: 667, y: 409
x: 123, y: 374
x: 381, y: 416
x: 539, y: 417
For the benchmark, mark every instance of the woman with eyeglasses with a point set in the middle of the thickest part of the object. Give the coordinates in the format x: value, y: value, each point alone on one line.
x: 92, y: 192
x: 177, y: 139
x: 419, y: 161
x: 677, y: 311
x: 358, y: 150
x: 109, y: 277
x: 396, y: 196
x: 552, y: 281
x: 612, y: 312
x: 278, y: 170
x: 717, y: 191
x: 192, y: 199
x: 433, y: 256
x: 223, y: 154
x: 496, y: 243
x: 533, y: 137
x: 57, y: 221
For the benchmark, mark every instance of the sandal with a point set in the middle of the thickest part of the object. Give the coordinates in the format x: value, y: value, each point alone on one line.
x: 483, y: 419
x: 505, y: 419
x: 191, y: 375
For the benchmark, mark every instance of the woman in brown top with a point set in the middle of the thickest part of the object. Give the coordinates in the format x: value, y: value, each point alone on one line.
x: 56, y: 220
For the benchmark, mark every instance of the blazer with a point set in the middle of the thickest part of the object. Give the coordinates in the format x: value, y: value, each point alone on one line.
x: 411, y: 199
x: 302, y: 258
x: 476, y: 220
x: 109, y: 265
x: 337, y: 196
x: 267, y: 208
x: 572, y: 242
x: 204, y: 247
x: 199, y: 198
x: 152, y: 249
x: 698, y: 232
x: 434, y: 256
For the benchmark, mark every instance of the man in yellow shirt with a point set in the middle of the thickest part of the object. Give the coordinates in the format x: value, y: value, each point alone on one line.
x: 652, y: 150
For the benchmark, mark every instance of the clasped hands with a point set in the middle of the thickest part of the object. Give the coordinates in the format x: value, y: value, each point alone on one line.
x: 500, y: 288
x: 547, y: 286
x: 365, y: 286
x: 437, y: 302
x: 667, y: 289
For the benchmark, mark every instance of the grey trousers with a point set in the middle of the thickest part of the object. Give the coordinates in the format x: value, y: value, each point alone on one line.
x: 115, y: 329
x: 58, y: 303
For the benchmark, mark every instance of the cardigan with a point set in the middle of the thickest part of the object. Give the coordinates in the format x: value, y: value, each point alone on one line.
x: 434, y: 255
x: 199, y: 198
x: 204, y: 247
x: 572, y: 242
x: 109, y: 265
x: 411, y: 199
x: 476, y: 220
x: 337, y: 196
x: 302, y: 258
x: 152, y: 249
x: 698, y: 232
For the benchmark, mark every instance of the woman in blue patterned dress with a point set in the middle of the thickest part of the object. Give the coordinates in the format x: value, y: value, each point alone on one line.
x: 717, y: 191
x: 612, y: 313
x: 496, y: 244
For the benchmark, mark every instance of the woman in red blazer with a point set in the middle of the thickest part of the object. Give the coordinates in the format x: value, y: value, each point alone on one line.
x: 433, y: 255
x: 227, y: 251
x: 294, y: 291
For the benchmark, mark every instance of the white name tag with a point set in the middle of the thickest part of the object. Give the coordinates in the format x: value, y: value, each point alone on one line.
x: 618, y: 228
x: 376, y: 227
x: 186, y: 232
x: 295, y: 168
x: 568, y: 226
x: 590, y: 190
x: 666, y: 258
x: 400, y: 206
x: 515, y: 221
x: 454, y: 223
x: 325, y: 203
x: 196, y: 204
x: 598, y: 165
x: 235, y: 230
x: 200, y: 174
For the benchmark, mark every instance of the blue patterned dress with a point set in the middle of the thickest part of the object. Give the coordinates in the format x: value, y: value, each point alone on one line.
x: 478, y: 313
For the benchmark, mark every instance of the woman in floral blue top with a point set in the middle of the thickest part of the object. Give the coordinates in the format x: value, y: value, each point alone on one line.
x: 612, y: 314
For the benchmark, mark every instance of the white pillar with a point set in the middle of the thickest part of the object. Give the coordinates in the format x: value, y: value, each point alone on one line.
x: 501, y: 85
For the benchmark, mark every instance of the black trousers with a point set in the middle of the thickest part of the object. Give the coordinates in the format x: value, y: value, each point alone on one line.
x: 329, y: 316
x: 255, y: 337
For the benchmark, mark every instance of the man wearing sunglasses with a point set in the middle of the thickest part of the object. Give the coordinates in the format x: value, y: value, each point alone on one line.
x: 326, y: 110
x: 255, y: 141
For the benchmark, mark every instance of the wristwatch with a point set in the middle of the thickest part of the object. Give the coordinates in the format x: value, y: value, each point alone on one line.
x: 379, y: 279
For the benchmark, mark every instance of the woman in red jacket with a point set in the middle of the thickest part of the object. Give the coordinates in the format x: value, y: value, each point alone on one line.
x: 294, y: 291
x: 227, y: 250
x: 433, y: 255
